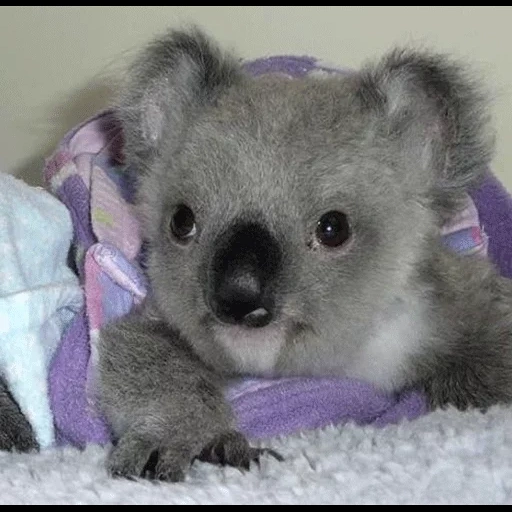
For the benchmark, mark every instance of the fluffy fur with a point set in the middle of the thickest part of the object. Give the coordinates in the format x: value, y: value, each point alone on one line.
x: 15, y: 431
x: 259, y: 161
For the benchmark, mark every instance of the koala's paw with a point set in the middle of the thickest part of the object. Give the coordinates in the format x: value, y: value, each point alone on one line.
x: 22, y: 440
x: 136, y: 456
x: 233, y: 449
x: 16, y: 433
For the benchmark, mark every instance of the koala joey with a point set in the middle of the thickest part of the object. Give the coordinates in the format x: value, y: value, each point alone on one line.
x: 293, y: 230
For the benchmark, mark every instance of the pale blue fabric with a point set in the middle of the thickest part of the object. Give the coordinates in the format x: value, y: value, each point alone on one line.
x: 39, y: 295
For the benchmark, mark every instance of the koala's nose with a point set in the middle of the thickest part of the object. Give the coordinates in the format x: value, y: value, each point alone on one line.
x: 244, y: 270
x: 240, y: 299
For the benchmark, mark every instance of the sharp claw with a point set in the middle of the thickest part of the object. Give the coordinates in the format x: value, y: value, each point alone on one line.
x: 212, y: 454
x: 274, y: 454
x: 149, y: 469
x: 256, y: 458
x: 234, y: 450
x: 123, y: 475
x: 220, y: 452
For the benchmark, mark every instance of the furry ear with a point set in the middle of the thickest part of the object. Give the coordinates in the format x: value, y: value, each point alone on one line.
x: 170, y: 78
x: 438, y: 114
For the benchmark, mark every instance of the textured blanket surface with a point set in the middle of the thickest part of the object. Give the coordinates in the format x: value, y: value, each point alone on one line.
x: 446, y: 457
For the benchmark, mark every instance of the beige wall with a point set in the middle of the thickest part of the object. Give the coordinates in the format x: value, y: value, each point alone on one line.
x: 55, y: 62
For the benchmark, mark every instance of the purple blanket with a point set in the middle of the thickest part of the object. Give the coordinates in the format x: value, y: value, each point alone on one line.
x: 87, y: 173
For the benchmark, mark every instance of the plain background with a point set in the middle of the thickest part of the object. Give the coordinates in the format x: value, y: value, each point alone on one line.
x: 58, y: 64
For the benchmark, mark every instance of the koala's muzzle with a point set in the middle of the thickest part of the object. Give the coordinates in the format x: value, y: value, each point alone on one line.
x: 243, y: 274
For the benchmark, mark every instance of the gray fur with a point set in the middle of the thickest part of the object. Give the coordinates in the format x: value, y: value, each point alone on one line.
x: 15, y: 431
x: 394, y: 146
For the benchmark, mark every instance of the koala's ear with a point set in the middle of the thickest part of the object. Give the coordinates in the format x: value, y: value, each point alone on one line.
x: 174, y: 75
x: 437, y: 112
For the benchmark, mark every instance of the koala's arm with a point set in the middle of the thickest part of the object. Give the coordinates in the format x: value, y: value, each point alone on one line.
x: 165, y: 407
x: 15, y: 431
x: 470, y: 363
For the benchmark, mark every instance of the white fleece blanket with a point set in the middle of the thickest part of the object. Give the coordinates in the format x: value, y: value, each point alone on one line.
x: 446, y: 457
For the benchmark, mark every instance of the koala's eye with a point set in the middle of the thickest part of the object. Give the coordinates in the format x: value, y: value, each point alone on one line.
x: 333, y: 229
x: 183, y: 223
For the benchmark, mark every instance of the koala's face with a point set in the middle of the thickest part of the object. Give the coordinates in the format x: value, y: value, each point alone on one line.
x: 287, y: 219
x: 282, y: 221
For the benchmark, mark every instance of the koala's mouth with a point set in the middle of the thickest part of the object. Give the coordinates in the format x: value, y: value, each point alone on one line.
x: 247, y: 318
x: 254, y: 351
x: 258, y: 351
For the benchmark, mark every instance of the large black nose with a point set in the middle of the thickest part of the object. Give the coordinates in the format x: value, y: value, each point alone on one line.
x: 244, y: 270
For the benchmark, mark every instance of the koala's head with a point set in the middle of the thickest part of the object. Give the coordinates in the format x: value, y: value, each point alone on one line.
x: 284, y: 215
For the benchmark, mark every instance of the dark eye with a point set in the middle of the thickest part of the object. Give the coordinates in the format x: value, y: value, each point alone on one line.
x: 183, y: 223
x: 333, y: 229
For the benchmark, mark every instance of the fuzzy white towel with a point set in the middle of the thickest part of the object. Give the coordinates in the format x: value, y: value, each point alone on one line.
x: 441, y: 458
x: 39, y: 295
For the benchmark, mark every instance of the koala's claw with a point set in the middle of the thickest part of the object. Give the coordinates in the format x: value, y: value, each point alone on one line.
x: 151, y: 471
x: 233, y: 449
x: 135, y: 457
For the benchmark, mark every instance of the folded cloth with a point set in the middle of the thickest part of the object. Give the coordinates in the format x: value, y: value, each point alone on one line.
x: 87, y: 173
x: 39, y: 295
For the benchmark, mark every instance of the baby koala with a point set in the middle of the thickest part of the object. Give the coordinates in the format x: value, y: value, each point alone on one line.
x: 293, y: 230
